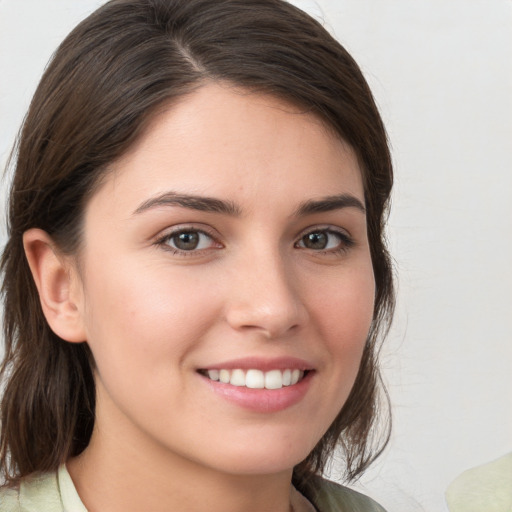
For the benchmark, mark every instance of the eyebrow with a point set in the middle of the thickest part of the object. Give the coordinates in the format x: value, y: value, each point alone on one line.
x: 330, y: 203
x: 202, y: 203
x: 214, y: 205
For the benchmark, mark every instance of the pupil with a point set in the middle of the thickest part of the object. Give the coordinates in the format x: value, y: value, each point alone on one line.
x: 187, y: 241
x: 315, y: 241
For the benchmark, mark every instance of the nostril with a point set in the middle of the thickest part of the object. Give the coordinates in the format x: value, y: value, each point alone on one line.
x: 270, y: 320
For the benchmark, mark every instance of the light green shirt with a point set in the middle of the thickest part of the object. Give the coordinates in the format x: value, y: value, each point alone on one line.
x: 55, y: 492
x: 47, y: 492
x: 486, y: 488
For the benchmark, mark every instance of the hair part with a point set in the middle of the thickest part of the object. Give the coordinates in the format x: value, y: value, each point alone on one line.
x: 103, y: 85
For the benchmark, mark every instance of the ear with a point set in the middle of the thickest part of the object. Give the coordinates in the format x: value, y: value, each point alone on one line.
x: 58, y: 284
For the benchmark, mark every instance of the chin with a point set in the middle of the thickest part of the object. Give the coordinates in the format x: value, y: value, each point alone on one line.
x: 262, y: 458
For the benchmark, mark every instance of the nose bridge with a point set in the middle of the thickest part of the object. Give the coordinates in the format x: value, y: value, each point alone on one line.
x: 265, y: 296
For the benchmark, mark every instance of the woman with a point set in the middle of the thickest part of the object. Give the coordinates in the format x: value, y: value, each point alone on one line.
x: 195, y: 277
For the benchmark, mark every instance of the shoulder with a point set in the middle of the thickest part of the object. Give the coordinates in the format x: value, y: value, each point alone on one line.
x: 37, y: 493
x: 331, y: 497
x: 9, y: 500
x: 485, y: 487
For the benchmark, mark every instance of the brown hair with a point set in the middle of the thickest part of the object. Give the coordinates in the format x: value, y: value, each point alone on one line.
x: 94, y: 99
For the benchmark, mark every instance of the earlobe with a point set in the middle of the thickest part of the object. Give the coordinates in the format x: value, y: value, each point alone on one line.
x: 57, y: 283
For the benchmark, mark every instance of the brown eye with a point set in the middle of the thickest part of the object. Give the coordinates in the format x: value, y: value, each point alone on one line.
x: 325, y: 240
x: 317, y: 240
x: 186, y: 241
x: 189, y: 240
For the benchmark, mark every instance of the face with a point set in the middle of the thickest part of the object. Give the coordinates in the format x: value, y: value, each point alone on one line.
x: 227, y: 285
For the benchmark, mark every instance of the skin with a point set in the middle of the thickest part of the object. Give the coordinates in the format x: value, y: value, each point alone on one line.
x: 163, y: 440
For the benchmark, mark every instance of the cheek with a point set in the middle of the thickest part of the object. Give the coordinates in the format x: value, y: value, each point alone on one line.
x: 140, y: 316
x: 343, y: 311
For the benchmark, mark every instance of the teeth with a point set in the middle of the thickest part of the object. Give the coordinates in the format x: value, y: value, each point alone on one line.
x: 224, y: 376
x: 256, y: 379
x: 274, y: 379
x: 237, y: 378
x: 213, y: 374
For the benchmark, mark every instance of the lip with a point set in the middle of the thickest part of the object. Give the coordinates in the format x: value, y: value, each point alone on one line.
x: 262, y: 400
x: 263, y: 364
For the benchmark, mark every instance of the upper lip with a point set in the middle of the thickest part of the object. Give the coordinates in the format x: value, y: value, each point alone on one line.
x: 264, y: 364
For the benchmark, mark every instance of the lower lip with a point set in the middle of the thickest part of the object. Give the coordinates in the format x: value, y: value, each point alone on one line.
x: 262, y: 400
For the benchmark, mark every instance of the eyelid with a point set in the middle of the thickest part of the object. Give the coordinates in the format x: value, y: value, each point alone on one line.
x: 346, y: 239
x: 164, y: 236
x: 325, y: 227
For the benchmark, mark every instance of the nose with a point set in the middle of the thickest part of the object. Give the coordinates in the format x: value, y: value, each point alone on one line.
x: 265, y: 297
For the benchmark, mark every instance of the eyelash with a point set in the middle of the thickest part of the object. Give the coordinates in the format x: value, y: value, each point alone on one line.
x: 345, y: 242
x: 164, y: 241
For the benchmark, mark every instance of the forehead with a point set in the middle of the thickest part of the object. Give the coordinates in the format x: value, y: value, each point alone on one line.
x: 223, y: 140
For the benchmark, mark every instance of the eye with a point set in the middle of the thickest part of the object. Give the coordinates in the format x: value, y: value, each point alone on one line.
x: 325, y: 240
x: 188, y: 240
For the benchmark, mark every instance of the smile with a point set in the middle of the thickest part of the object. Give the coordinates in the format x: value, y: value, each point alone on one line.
x: 256, y: 379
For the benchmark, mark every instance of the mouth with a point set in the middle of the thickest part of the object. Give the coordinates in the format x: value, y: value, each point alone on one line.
x: 255, y: 378
x: 260, y: 385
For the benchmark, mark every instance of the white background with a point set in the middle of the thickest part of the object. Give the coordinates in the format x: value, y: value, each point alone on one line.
x: 441, y: 71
